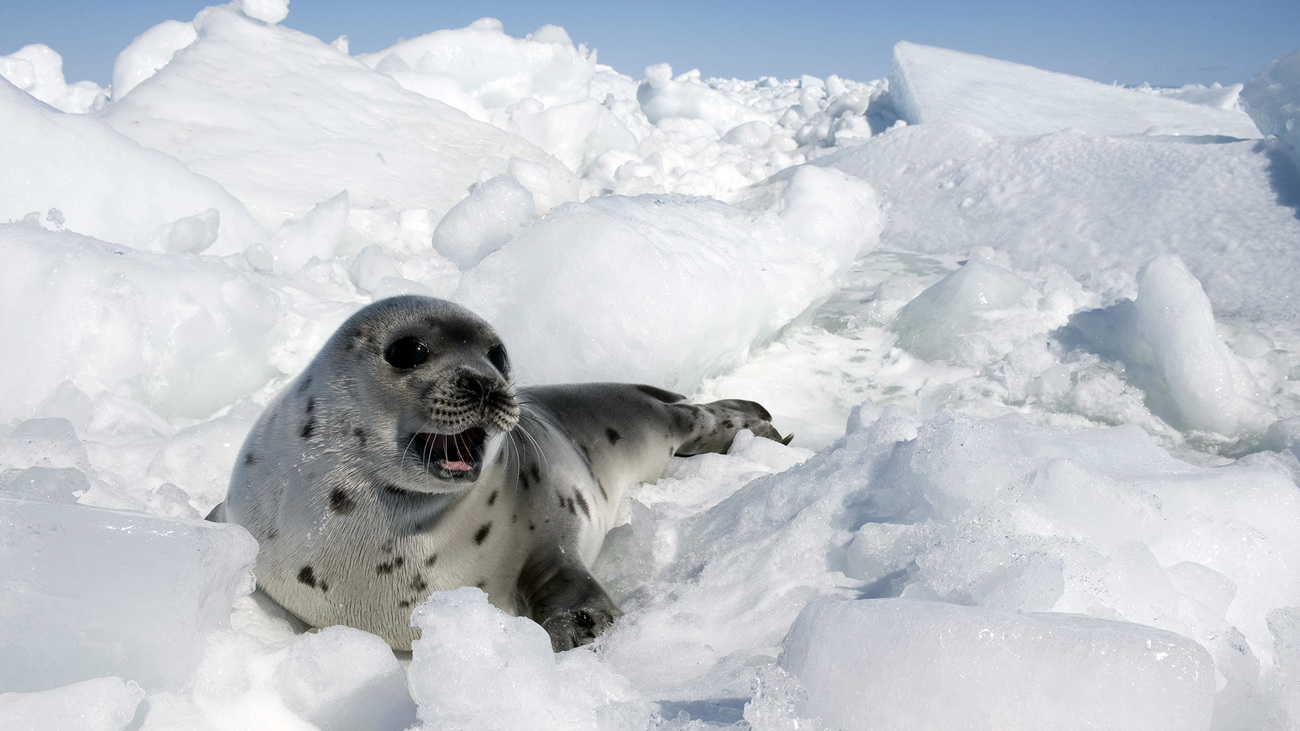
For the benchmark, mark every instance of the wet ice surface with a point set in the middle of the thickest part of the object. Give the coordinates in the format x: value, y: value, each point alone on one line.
x: 1045, y: 383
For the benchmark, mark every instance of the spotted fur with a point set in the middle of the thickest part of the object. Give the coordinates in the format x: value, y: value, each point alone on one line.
x: 357, y: 529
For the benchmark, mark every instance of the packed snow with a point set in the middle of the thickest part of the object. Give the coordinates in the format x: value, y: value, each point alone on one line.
x: 1038, y: 339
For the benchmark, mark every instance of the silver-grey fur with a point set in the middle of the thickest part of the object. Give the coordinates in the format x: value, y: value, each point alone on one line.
x: 364, y: 499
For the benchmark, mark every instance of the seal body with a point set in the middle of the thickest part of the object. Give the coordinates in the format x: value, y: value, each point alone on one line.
x: 402, y: 462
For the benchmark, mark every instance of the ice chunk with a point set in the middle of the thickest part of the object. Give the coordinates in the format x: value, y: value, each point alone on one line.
x: 93, y: 592
x: 1171, y: 349
x: 477, y: 667
x: 100, y: 704
x: 930, y: 85
x: 1272, y: 98
x: 342, y: 678
x: 493, y: 214
x: 184, y: 334
x: 38, y: 70
x: 267, y: 11
x: 666, y: 289
x: 895, y: 663
x: 494, y: 68
x: 220, y: 108
x: 316, y: 235
x: 150, y: 51
x: 103, y: 184
x: 1175, y: 320
x: 663, y: 97
x: 963, y: 316
x: 44, y: 484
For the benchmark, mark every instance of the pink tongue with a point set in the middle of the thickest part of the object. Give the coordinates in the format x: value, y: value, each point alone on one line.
x: 455, y: 466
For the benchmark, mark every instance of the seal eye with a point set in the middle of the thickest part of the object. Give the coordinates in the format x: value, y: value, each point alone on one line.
x: 497, y: 355
x: 406, y: 353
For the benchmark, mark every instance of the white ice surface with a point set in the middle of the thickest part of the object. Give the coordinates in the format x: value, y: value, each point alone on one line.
x: 1046, y: 412
x: 222, y: 107
x: 1272, y: 97
x: 94, y: 592
x: 75, y: 172
x: 900, y: 664
x: 930, y: 85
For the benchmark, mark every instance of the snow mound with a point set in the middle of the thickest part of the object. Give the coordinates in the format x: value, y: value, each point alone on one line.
x: 183, y: 334
x: 1272, y: 98
x: 1099, y: 207
x: 900, y: 664
x: 491, y: 216
x: 222, y: 107
x: 341, y: 678
x: 38, y: 70
x: 150, y: 51
x: 477, y: 667
x: 76, y: 172
x: 930, y: 85
x: 667, y: 290
x: 493, y: 68
x: 97, y: 592
x: 663, y: 97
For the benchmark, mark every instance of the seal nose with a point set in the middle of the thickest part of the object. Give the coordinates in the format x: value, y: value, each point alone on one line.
x: 474, y: 386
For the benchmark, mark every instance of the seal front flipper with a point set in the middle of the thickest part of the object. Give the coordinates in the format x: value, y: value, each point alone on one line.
x: 559, y: 593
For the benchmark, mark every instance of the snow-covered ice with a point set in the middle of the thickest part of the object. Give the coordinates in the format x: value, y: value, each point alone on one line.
x: 1038, y: 339
x: 864, y: 661
x: 1272, y: 98
x: 930, y: 85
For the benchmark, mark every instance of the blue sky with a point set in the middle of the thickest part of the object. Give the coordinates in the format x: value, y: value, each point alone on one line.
x: 1163, y: 43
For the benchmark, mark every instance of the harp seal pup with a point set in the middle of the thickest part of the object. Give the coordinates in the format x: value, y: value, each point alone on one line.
x: 402, y: 461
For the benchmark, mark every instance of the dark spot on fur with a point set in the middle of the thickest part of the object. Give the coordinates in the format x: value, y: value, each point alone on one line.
x: 360, y: 434
x: 482, y: 533
x: 387, y: 546
x: 482, y: 584
x: 492, y: 498
x: 561, y: 498
x: 582, y: 503
x: 418, y: 583
x: 404, y: 604
x: 324, y: 586
x: 311, y: 404
x: 602, y: 491
x: 431, y: 560
x: 306, y: 384
x: 728, y: 423
x: 249, y: 458
x: 570, y: 505
x: 514, y: 518
x: 532, y: 525
x: 274, y: 534
x: 340, y: 502
x: 524, y: 481
x: 388, y: 566
x: 613, y: 435
x: 536, y: 473
x: 307, y: 576
x: 308, y: 428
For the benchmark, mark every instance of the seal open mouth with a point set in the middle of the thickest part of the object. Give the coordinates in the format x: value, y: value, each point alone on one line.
x: 455, y: 457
